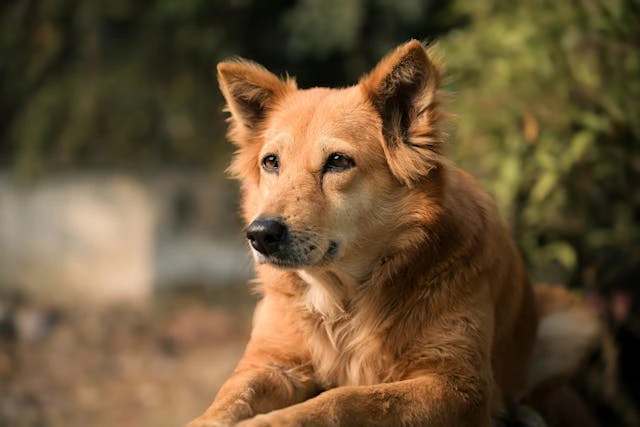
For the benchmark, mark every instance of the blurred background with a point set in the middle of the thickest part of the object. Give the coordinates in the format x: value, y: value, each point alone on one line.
x: 123, y: 273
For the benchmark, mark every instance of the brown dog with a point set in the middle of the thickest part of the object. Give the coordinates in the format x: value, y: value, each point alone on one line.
x: 392, y: 293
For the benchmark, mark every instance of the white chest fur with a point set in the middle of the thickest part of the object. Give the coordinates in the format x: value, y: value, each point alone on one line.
x: 345, y: 348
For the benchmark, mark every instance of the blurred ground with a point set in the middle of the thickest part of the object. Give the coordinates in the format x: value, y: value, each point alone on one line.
x: 120, y: 366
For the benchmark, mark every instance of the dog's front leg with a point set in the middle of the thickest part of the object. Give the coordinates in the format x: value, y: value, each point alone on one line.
x: 274, y: 372
x: 429, y: 400
x: 255, y: 391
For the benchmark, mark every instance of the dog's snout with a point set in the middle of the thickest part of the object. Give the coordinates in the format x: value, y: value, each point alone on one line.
x: 266, y: 234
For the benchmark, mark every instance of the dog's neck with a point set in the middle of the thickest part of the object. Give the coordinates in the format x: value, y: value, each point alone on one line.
x: 326, y: 293
x: 332, y: 290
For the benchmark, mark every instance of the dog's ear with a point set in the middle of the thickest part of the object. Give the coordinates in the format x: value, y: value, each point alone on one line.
x: 250, y: 91
x: 403, y: 90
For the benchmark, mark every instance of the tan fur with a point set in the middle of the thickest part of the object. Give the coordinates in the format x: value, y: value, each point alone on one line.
x: 408, y: 303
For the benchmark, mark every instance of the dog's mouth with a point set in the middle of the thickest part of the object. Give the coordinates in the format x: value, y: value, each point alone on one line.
x: 296, y: 255
x: 274, y: 242
x: 331, y: 252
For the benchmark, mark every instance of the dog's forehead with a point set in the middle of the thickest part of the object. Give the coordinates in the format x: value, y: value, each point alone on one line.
x: 322, y: 114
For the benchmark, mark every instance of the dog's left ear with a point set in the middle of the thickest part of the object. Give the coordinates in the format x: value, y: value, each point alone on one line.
x: 403, y: 88
x: 250, y: 91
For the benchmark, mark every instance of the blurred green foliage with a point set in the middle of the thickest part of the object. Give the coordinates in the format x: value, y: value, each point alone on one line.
x: 548, y: 99
x: 547, y: 96
x: 118, y: 83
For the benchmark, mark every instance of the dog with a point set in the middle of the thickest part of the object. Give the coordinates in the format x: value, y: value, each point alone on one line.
x: 391, y: 291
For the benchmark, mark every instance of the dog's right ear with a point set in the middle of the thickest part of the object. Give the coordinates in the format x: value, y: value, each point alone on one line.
x: 403, y: 89
x: 250, y: 91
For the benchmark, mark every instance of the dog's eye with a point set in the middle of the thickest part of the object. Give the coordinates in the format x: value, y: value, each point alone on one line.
x: 270, y: 163
x: 337, y: 162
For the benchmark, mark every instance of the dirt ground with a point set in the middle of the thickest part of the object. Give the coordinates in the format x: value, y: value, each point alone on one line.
x: 162, y: 365
x: 125, y: 366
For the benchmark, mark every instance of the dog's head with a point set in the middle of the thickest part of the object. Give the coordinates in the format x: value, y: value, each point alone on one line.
x: 325, y: 172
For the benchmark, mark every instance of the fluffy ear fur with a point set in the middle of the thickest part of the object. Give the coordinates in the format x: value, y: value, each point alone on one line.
x: 403, y: 89
x: 250, y: 91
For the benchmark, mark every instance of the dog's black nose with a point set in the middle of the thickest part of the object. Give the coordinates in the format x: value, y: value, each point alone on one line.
x: 266, y: 234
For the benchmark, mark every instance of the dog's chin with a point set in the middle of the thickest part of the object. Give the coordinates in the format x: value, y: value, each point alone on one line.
x: 292, y: 261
